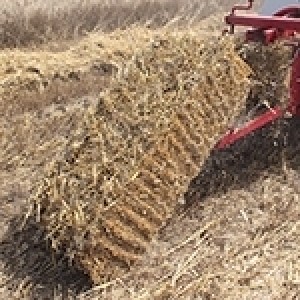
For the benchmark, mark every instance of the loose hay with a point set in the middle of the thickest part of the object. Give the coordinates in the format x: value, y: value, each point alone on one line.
x: 33, y: 78
x: 270, y: 64
x: 132, y: 158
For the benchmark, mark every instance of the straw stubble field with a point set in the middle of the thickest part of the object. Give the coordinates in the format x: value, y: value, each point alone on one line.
x: 237, y: 235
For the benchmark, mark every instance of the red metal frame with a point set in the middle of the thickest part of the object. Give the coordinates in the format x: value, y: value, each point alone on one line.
x: 284, y: 24
x: 265, y: 22
x: 233, y: 135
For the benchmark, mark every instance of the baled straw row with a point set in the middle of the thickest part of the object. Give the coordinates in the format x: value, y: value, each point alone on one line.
x: 132, y: 158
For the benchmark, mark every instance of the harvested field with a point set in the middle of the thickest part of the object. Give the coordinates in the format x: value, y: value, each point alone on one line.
x: 38, y: 22
x: 236, y: 237
x: 111, y: 177
x: 81, y: 69
x: 31, y: 80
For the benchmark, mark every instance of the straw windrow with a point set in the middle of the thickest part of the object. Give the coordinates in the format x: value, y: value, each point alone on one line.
x: 132, y: 158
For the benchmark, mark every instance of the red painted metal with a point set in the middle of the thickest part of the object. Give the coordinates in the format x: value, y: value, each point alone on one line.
x: 284, y: 24
x: 294, y: 104
x: 268, y: 36
x: 239, y: 7
x: 259, y: 122
x: 242, y: 7
x: 265, y: 22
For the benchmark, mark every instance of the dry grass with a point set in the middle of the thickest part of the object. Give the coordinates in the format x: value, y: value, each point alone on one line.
x: 34, y: 79
x: 29, y: 142
x: 241, y: 232
x: 216, y: 260
x: 240, y: 237
x: 237, y: 239
x: 31, y: 80
x: 94, y: 190
x: 35, y: 22
x: 271, y: 65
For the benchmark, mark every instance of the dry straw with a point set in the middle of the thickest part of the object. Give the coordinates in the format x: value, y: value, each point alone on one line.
x: 36, y: 22
x: 132, y: 157
x: 270, y: 64
x: 30, y: 70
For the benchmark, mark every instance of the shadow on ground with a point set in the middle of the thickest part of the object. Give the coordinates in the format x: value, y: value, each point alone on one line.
x: 268, y: 150
x: 34, y: 272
